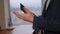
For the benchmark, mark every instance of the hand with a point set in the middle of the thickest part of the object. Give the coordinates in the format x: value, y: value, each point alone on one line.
x: 27, y: 16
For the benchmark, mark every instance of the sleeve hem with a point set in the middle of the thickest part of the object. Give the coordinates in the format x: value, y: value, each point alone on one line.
x: 39, y: 22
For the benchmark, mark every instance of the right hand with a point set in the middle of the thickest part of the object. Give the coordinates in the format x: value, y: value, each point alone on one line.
x: 27, y: 16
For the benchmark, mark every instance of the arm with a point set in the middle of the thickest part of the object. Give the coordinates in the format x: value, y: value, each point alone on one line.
x: 39, y: 22
x: 46, y: 23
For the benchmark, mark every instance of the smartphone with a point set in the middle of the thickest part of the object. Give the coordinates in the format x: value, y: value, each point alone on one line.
x: 21, y: 7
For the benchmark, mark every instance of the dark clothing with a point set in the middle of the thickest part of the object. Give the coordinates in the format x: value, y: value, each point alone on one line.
x: 50, y: 18
x: 44, y: 32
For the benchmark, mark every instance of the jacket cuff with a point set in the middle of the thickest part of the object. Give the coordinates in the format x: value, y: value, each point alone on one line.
x: 35, y: 22
x: 38, y: 22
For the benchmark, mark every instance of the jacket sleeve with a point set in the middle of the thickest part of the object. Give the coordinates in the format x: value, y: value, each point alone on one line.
x: 39, y: 22
x: 43, y: 23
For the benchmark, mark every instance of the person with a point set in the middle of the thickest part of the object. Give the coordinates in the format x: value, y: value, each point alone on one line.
x: 49, y: 21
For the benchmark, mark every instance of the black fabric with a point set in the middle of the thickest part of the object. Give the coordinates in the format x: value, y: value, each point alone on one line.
x: 44, y: 9
x: 50, y: 22
x: 53, y: 14
x: 50, y: 32
x: 35, y: 31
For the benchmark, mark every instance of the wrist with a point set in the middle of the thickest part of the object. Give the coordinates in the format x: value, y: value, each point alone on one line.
x: 32, y: 19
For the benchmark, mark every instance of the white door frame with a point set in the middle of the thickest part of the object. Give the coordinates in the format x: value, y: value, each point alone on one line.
x: 7, y: 13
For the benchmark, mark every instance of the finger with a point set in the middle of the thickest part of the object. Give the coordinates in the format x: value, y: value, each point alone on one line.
x: 18, y: 14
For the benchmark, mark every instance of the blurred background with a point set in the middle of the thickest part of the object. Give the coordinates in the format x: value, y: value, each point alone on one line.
x: 9, y: 22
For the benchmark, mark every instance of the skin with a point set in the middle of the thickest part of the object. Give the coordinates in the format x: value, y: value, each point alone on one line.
x: 27, y: 16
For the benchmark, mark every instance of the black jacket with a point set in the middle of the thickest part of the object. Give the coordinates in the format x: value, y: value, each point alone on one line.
x: 50, y: 18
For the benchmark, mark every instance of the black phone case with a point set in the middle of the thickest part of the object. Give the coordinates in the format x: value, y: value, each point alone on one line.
x: 21, y: 5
